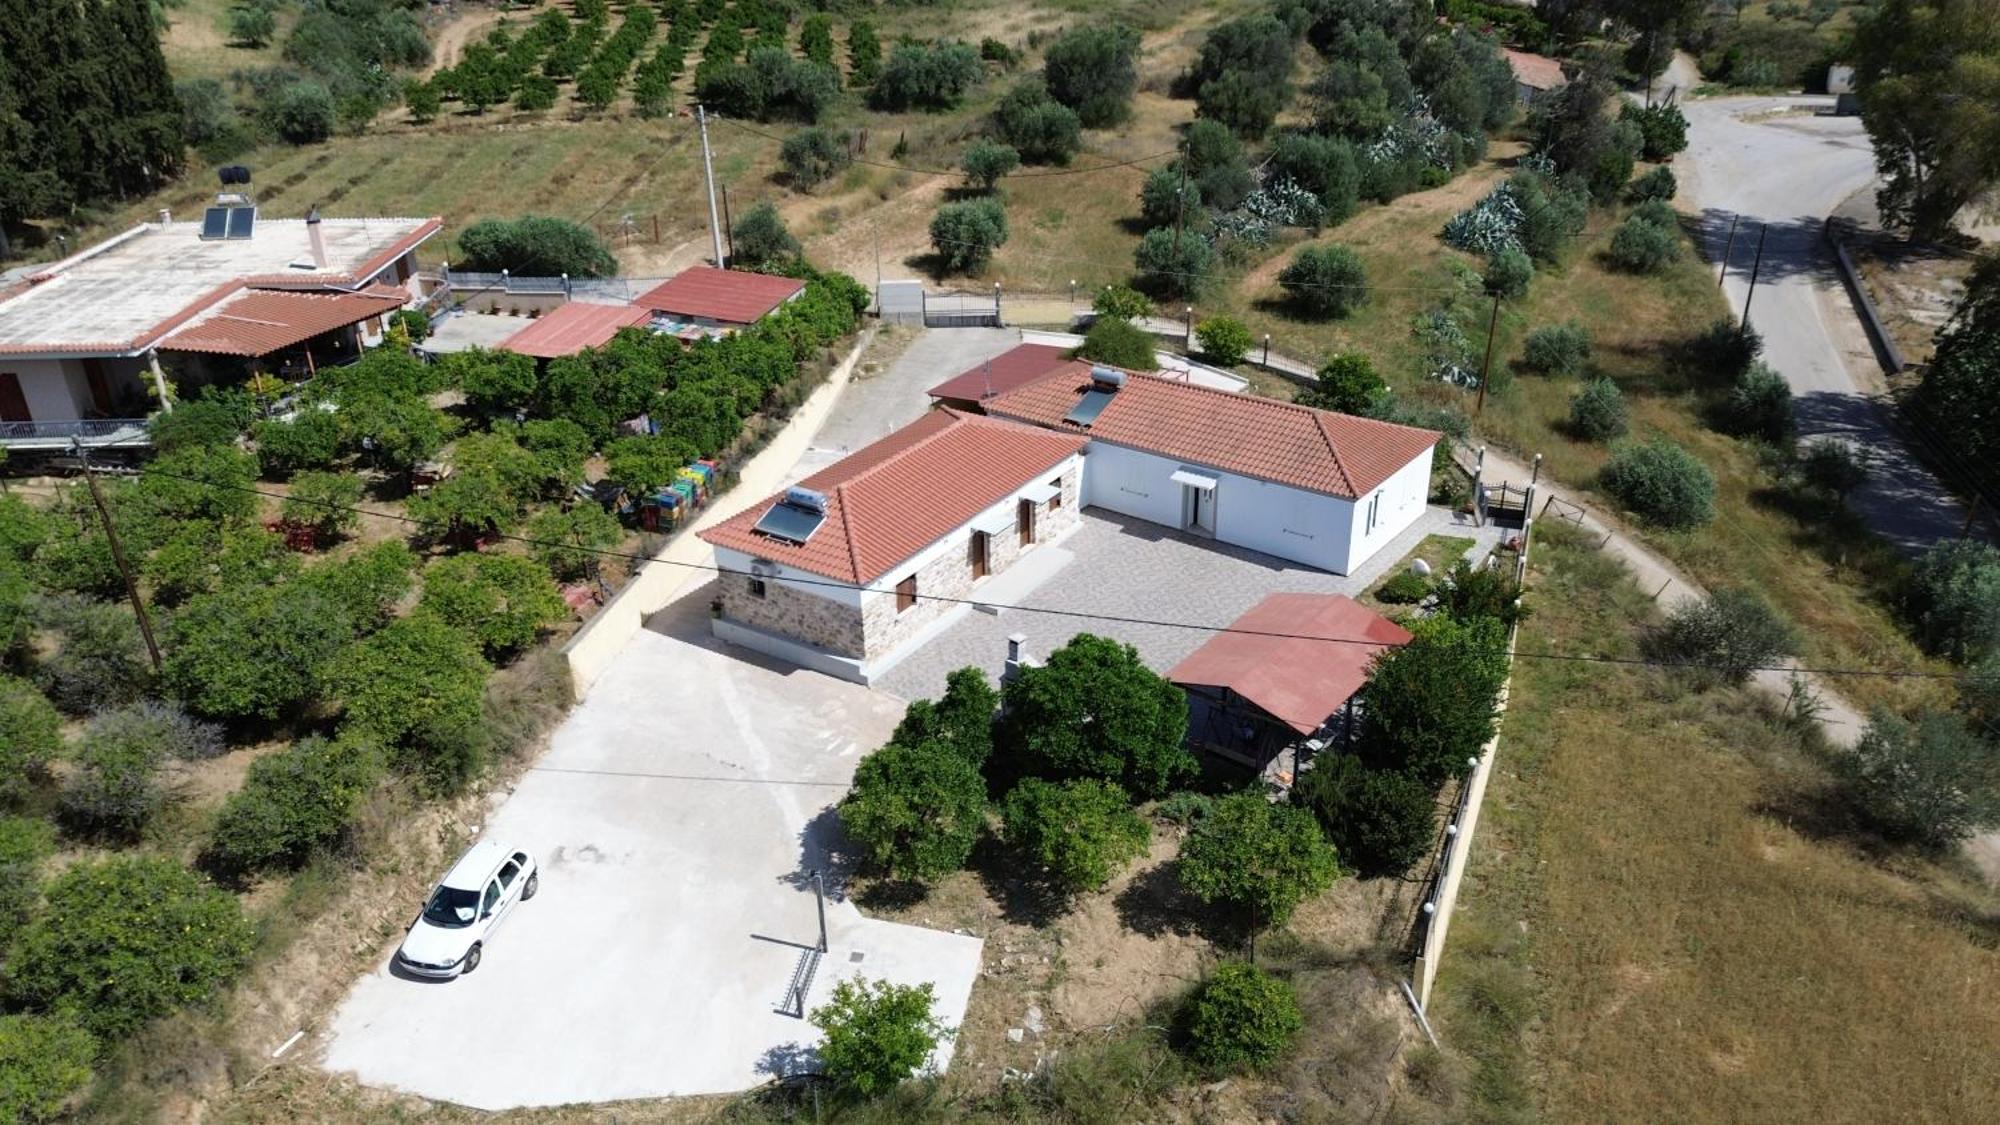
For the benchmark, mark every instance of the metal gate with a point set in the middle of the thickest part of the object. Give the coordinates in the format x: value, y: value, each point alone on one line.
x: 962, y: 310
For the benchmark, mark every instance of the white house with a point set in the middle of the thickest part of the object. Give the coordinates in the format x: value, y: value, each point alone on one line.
x: 865, y: 559
x: 1312, y: 486
x: 80, y: 338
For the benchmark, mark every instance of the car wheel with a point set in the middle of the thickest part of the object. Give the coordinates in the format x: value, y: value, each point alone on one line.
x: 534, y: 884
x: 471, y: 960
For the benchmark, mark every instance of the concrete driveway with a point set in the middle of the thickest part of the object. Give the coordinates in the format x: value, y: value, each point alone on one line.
x: 874, y: 405
x: 674, y: 816
x: 1779, y: 164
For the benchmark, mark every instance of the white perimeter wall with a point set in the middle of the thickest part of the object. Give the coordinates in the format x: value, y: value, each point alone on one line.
x: 1307, y: 527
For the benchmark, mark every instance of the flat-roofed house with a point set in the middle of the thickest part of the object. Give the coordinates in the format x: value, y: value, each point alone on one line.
x: 80, y: 337
x: 862, y: 561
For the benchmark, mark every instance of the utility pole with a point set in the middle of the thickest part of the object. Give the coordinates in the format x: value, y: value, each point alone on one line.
x: 708, y: 170
x: 728, y: 224
x: 1180, y: 211
x: 1755, y: 267
x: 118, y: 556
x: 1486, y: 368
x: 1728, y: 246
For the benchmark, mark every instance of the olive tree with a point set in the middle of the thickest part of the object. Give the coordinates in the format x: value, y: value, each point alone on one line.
x: 1932, y: 781
x: 1723, y: 637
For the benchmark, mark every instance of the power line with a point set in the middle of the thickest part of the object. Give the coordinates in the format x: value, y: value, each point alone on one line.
x: 894, y: 167
x: 1073, y: 614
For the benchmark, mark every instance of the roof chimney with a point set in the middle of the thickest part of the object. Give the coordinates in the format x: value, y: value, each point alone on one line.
x: 318, y: 240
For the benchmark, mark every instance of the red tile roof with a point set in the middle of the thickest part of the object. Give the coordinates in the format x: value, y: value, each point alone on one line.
x: 568, y: 329
x: 1536, y: 72
x: 1317, y: 450
x: 888, y: 501
x: 729, y: 296
x: 1304, y: 675
x: 259, y: 322
x: 1010, y: 369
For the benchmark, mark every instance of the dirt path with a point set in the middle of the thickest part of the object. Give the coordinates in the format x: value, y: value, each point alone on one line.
x: 451, y: 39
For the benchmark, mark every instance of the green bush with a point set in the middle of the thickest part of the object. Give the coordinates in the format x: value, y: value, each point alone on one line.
x: 875, y: 1034
x: 310, y: 440
x: 1241, y: 1018
x: 1121, y: 302
x: 965, y: 234
x: 1933, y: 781
x: 1509, y: 272
x: 1325, y: 166
x: 199, y: 482
x: 1597, y: 411
x: 1347, y: 384
x: 1079, y: 833
x: 363, y: 588
x: 44, y: 1062
x: 1558, y: 349
x: 1644, y: 247
x: 1832, y: 466
x: 1952, y: 599
x: 115, y: 788
x: 1041, y: 129
x: 962, y: 719
x: 99, y: 658
x: 1723, y: 351
x: 1662, y: 482
x: 1663, y: 129
x: 1093, y: 709
x: 302, y: 113
x: 1432, y: 704
x: 213, y: 419
x: 417, y: 687
x: 1169, y: 199
x: 1657, y: 185
x: 1094, y: 71
x: 1325, y: 281
x: 1256, y: 857
x: 1119, y: 343
x: 985, y: 162
x: 1724, y: 637
x: 761, y: 239
x: 1224, y: 340
x: 1759, y: 405
x: 927, y: 76
x: 252, y: 651
x: 501, y: 601
x: 30, y: 738
x: 496, y: 383
x: 1403, y: 588
x: 23, y: 528
x: 1217, y: 164
x: 292, y: 803
x: 126, y: 940
x: 915, y: 811
x: 324, y: 502
x: 534, y: 246
x: 568, y: 539
x: 813, y: 156
x: 1173, y: 266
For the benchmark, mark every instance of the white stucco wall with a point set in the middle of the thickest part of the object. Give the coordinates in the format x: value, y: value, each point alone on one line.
x: 818, y: 585
x: 55, y: 388
x: 1398, y: 503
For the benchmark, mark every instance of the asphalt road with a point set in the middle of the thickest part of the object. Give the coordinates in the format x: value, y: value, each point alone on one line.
x: 1779, y: 166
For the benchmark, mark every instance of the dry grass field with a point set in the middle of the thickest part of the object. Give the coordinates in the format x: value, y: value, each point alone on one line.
x: 1666, y: 919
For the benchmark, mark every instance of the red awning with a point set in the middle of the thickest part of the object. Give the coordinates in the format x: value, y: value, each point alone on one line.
x: 259, y: 322
x: 1315, y: 660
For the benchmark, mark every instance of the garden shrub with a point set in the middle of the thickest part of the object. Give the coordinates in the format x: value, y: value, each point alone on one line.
x: 1325, y: 281
x: 1224, y: 340
x: 1121, y: 302
x: 30, y: 738
x: 1380, y: 821
x: 761, y: 239
x: 1348, y: 383
x: 1093, y: 709
x: 534, y: 246
x: 1171, y: 266
x: 965, y: 234
x: 126, y: 940
x: 501, y: 601
x: 1217, y: 164
x: 216, y: 418
x: 1644, y: 247
x: 23, y: 528
x: 568, y: 539
x: 1759, y: 405
x: 1403, y: 588
x: 1657, y: 185
x: 1168, y: 198
x: 1258, y: 858
x: 915, y: 811
x: 496, y: 383
x: 1597, y: 411
x: 1931, y: 781
x: 99, y: 659
x: 813, y: 156
x: 961, y: 719
x: 1952, y: 599
x: 311, y: 439
x: 1662, y: 128
x: 1558, y: 349
x: 1832, y: 466
x: 927, y: 76
x: 1722, y: 638
x: 1432, y: 703
x: 1041, y: 129
x: 1093, y: 70
x: 199, y: 482
x: 252, y: 651
x: 1324, y: 166
x: 292, y: 803
x: 1240, y: 1019
x: 25, y: 841
x: 1723, y: 351
x: 875, y: 1034
x: 1663, y: 483
x: 163, y: 728
x: 44, y: 1062
x: 363, y: 587
x: 985, y: 162
x: 324, y: 502
x: 115, y: 788
x: 1078, y: 832
x: 1119, y: 343
x: 417, y: 688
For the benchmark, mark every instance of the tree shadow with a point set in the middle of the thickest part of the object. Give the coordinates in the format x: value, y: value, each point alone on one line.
x: 789, y: 1061
x: 1155, y: 904
x: 932, y: 265
x: 1010, y: 881
x: 824, y: 847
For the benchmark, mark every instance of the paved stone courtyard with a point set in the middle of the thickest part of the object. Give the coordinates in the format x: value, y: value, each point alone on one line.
x: 1128, y: 568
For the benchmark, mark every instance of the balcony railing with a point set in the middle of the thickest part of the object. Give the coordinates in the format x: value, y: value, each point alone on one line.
x: 94, y: 432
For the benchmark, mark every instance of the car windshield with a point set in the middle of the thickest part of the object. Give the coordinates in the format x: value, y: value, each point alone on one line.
x: 452, y: 908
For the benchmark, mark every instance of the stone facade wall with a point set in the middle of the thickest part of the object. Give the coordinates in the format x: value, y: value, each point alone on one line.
x: 790, y: 612
x: 949, y: 573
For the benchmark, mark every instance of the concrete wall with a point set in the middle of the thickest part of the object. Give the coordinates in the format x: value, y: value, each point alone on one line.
x: 1291, y: 523
x: 55, y: 388
x: 1398, y: 503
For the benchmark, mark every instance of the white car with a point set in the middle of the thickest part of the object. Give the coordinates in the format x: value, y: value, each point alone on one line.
x: 464, y: 909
